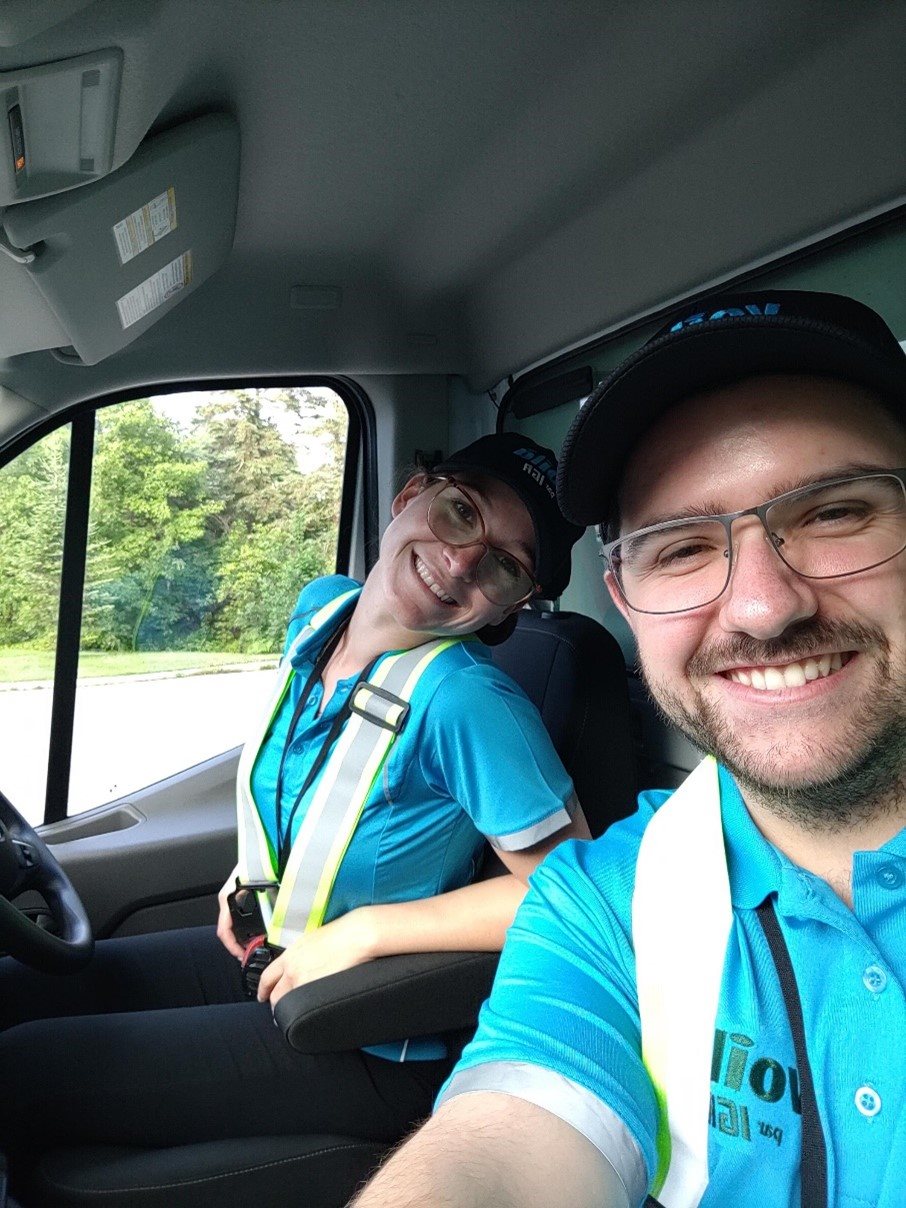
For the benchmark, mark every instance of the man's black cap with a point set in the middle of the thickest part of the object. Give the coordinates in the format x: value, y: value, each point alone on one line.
x: 717, y: 341
x: 531, y: 471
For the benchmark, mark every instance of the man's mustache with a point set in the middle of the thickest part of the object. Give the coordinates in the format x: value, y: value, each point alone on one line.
x: 805, y: 639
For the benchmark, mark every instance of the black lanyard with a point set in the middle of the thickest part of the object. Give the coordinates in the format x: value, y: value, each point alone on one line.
x: 813, y: 1159
x: 284, y: 836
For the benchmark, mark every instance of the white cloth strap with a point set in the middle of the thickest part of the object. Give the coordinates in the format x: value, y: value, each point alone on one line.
x: 681, y: 920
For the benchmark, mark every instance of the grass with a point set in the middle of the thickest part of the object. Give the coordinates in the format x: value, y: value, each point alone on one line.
x: 17, y: 665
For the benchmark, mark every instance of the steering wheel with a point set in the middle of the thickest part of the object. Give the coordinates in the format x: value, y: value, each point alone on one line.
x: 26, y: 863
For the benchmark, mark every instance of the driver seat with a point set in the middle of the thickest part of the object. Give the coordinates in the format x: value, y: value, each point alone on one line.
x: 574, y: 672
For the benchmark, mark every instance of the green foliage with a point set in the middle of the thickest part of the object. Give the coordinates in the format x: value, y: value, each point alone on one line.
x: 148, y: 506
x: 198, y: 540
x: 32, y: 509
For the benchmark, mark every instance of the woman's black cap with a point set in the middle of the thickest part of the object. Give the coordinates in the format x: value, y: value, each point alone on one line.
x: 718, y: 341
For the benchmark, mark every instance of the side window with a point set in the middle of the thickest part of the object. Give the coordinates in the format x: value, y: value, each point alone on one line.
x: 32, y: 515
x: 209, y: 511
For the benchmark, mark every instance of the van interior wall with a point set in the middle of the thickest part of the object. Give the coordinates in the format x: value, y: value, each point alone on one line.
x: 471, y: 414
x: 411, y: 413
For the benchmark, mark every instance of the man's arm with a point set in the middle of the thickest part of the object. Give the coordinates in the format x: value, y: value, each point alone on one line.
x: 491, y: 1150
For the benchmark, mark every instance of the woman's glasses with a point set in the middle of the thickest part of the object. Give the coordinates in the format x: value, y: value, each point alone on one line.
x: 824, y: 531
x: 455, y: 518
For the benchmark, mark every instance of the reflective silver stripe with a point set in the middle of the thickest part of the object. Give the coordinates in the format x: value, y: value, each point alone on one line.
x: 341, y: 792
x: 519, y: 840
x: 681, y: 920
x: 570, y: 1102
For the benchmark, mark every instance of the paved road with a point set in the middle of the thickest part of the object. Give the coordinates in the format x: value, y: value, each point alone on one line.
x: 129, y: 732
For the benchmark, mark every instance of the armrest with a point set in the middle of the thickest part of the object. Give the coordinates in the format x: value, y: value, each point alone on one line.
x: 387, y: 999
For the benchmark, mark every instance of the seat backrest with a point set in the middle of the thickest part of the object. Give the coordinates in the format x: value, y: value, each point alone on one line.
x: 573, y: 671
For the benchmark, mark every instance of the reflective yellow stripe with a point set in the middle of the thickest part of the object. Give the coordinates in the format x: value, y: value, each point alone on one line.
x: 331, y: 607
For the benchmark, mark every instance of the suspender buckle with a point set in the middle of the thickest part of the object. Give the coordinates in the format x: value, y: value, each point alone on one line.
x: 377, y: 705
x: 245, y: 909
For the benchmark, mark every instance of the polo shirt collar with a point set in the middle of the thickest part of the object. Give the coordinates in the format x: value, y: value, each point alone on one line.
x: 897, y: 845
x: 754, y: 864
x: 311, y: 640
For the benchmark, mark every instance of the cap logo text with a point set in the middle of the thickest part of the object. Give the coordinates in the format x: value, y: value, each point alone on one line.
x: 538, y: 467
x: 730, y: 312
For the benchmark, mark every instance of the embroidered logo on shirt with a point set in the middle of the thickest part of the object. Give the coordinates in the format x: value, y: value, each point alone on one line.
x: 736, y: 1068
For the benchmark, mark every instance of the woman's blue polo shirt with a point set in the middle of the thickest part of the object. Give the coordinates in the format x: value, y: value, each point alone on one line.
x: 473, y: 761
x: 561, y: 1028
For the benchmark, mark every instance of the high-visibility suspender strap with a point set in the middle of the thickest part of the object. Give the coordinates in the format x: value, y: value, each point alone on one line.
x: 342, y: 791
x: 681, y: 920
x: 257, y: 856
x: 372, y: 769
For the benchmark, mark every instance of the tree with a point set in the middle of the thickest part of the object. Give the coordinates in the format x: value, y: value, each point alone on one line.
x: 278, y: 524
x: 32, y: 512
x: 148, y: 509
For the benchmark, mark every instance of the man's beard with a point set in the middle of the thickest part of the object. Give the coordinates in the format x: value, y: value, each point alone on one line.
x: 865, y: 765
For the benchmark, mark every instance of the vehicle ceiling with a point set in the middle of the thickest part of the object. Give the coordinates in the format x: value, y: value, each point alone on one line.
x: 486, y: 181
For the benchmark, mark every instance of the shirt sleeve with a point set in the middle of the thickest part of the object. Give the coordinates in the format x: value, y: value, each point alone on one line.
x: 561, y: 1028
x: 485, y: 745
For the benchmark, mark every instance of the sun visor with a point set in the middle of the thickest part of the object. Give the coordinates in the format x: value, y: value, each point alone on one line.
x: 111, y: 258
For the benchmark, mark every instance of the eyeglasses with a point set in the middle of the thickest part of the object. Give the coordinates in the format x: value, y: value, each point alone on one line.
x: 828, y: 530
x: 455, y: 518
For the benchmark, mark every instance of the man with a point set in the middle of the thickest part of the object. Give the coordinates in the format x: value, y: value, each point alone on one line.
x: 706, y: 1005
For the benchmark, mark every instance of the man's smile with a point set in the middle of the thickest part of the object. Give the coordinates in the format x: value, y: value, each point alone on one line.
x: 772, y: 677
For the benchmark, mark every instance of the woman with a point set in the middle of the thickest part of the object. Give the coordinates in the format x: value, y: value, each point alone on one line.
x: 467, y: 546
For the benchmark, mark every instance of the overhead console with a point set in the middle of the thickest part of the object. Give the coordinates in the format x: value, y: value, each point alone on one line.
x: 59, y: 124
x: 113, y: 257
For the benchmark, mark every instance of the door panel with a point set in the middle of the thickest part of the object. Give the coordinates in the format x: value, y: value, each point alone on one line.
x: 157, y: 858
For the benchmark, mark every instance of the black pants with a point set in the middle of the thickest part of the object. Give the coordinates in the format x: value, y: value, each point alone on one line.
x: 154, y: 1045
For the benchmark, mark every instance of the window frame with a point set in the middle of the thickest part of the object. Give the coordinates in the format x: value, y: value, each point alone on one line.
x: 359, y: 488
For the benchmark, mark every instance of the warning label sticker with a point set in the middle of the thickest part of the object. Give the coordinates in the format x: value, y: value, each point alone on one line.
x: 143, y: 227
x: 156, y: 290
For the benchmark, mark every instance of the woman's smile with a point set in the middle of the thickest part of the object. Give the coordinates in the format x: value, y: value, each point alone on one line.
x: 427, y: 577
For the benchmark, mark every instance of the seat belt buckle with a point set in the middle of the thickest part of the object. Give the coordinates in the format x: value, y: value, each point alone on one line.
x: 380, y: 706
x: 256, y: 958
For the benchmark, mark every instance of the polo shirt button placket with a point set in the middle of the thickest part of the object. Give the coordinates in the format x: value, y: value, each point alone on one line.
x: 874, y: 979
x: 867, y: 1101
x: 889, y: 876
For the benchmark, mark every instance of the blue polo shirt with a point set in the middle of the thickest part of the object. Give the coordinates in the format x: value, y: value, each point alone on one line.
x: 561, y: 1027
x: 473, y: 761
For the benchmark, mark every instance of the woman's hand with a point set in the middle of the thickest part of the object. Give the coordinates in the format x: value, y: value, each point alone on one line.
x: 347, y: 941
x: 225, y: 922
